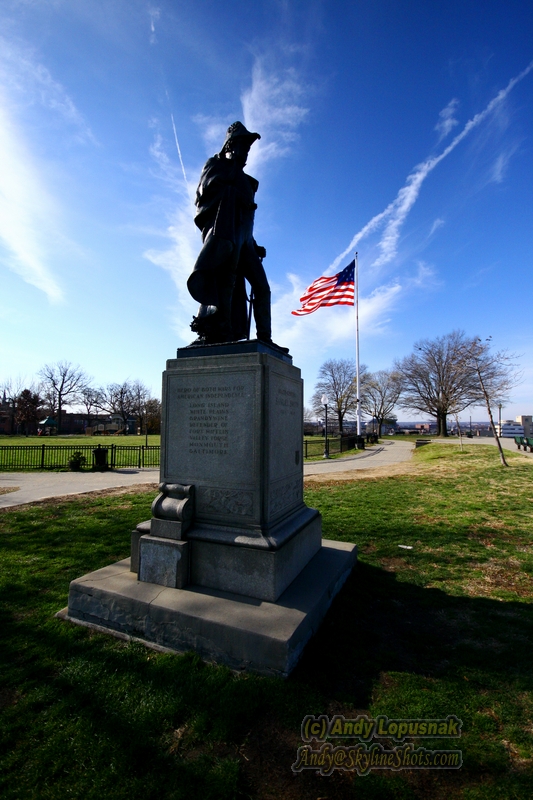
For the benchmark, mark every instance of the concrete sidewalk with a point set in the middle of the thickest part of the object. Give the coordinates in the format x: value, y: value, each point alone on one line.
x: 32, y: 486
x: 29, y: 487
x: 388, y: 452
x: 507, y: 444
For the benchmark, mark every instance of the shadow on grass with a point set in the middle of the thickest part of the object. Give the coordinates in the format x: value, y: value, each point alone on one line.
x: 379, y: 624
x: 86, y: 715
x: 136, y: 717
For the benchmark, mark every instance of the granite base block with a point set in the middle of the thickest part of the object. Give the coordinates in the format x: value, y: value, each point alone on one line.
x: 254, y: 572
x: 242, y: 632
x: 163, y: 561
x: 167, y: 528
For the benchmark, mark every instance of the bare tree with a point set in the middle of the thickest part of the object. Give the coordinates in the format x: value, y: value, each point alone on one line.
x: 141, y: 395
x: 89, y: 400
x: 381, y: 392
x: 61, y: 385
x: 496, y: 374
x: 337, y: 379
x: 119, y: 399
x: 435, y: 381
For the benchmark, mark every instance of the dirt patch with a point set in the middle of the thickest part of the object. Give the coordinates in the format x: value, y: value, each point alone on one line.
x: 8, y: 489
x: 373, y: 473
x: 497, y: 576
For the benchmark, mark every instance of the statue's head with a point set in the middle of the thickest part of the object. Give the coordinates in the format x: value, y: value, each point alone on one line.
x: 238, y: 142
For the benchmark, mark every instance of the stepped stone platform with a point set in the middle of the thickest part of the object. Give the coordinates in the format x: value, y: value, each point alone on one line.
x: 232, y: 563
x: 242, y: 632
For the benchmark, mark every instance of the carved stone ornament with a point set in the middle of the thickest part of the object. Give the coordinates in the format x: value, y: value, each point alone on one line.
x: 175, y: 503
x: 228, y: 501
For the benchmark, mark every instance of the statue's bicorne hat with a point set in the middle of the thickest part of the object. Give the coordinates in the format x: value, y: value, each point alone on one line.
x: 237, y: 130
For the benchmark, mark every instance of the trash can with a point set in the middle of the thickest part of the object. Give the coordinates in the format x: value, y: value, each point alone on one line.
x: 100, y: 458
x: 360, y: 442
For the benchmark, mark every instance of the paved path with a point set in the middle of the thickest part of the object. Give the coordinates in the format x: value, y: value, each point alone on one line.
x: 32, y: 486
x: 507, y: 444
x: 41, y: 485
x: 388, y: 452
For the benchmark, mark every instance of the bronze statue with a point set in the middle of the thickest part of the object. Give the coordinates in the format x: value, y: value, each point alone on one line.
x: 225, y: 200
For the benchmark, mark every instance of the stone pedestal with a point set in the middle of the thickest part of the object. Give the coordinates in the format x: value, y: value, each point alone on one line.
x: 230, y: 518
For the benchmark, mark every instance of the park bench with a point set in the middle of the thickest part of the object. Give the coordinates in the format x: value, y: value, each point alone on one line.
x: 525, y: 442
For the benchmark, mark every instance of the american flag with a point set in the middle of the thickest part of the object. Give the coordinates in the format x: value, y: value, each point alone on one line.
x: 338, y: 290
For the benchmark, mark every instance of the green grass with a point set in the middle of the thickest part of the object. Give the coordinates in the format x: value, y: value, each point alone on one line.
x: 319, y: 443
x: 132, y: 439
x: 333, y: 456
x: 444, y: 628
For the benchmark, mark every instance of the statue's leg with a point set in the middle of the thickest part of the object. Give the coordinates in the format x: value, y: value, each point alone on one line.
x: 225, y: 284
x: 255, y: 274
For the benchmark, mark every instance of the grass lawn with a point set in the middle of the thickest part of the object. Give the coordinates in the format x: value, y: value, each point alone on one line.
x: 443, y: 628
x: 315, y: 452
x: 153, y: 439
x: 344, y: 454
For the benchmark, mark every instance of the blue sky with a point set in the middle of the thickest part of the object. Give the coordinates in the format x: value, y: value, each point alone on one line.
x: 402, y: 130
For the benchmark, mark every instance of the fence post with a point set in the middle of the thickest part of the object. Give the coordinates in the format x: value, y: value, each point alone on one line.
x: 113, y: 456
x: 140, y: 457
x: 42, y: 455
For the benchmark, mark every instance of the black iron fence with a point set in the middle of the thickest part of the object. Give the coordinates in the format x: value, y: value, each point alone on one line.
x: 116, y: 456
x: 63, y: 456
x: 313, y: 448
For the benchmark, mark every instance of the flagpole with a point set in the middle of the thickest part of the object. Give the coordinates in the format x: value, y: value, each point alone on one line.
x: 357, y: 343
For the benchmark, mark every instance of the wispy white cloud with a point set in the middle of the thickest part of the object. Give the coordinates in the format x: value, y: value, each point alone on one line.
x: 168, y: 169
x: 499, y: 167
x: 28, y: 82
x: 397, y: 211
x: 424, y: 277
x: 322, y: 331
x: 154, y: 14
x: 447, y: 121
x: 212, y: 131
x: 438, y: 223
x: 27, y: 211
x: 274, y: 106
x: 178, y: 260
x: 183, y: 240
x: 29, y: 214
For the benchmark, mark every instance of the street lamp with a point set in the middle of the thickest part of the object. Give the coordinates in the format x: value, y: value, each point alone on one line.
x: 324, y: 401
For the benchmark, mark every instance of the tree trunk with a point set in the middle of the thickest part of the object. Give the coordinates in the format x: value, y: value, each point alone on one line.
x: 442, y: 428
x: 493, y: 426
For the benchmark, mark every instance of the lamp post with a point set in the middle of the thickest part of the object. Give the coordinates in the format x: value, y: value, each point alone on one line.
x: 324, y: 401
x: 499, y: 420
